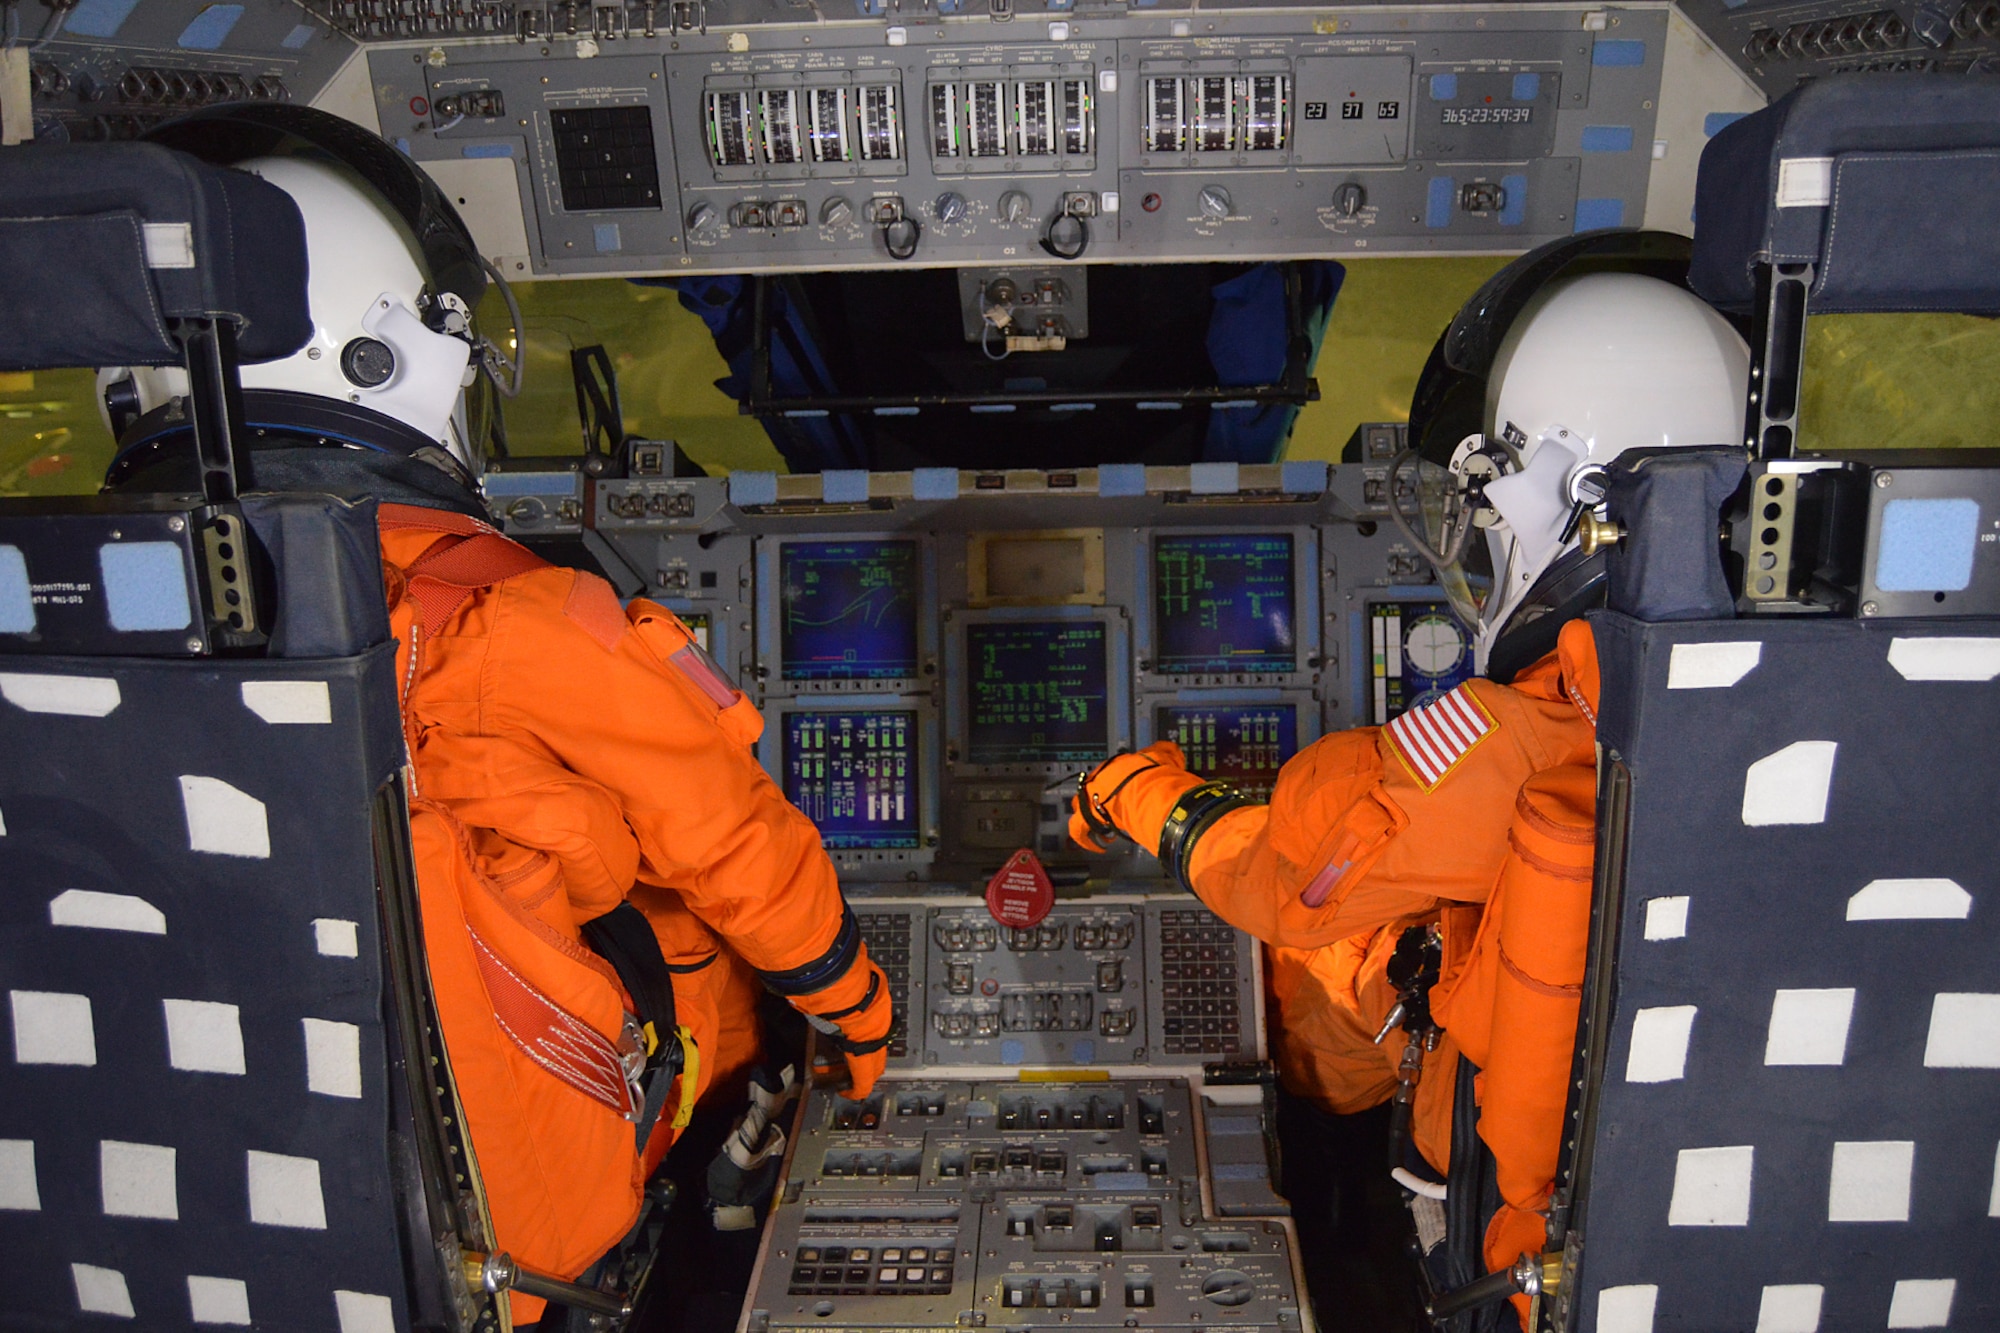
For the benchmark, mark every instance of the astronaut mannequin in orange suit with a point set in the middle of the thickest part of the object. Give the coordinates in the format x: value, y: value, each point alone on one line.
x: 570, y: 758
x: 1481, y: 795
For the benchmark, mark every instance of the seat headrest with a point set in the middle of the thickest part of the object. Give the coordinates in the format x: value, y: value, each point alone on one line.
x: 102, y: 244
x: 1886, y: 182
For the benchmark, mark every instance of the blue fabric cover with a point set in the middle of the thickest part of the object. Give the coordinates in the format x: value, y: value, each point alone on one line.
x: 1246, y: 345
x: 73, y: 252
x: 724, y: 303
x: 1909, y: 225
x: 1669, y: 501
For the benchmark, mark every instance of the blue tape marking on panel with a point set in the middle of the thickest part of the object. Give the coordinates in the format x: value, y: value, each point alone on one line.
x: 1618, y: 51
x: 899, y: 411
x: 1072, y: 407
x: 210, y: 28
x: 98, y: 18
x: 1303, y: 476
x: 145, y: 585
x: 753, y: 488
x: 17, y: 600
x: 1241, y: 1171
x: 1082, y: 1052
x: 1444, y: 87
x: 606, y: 236
x: 993, y: 407
x: 934, y: 483
x: 1213, y: 479
x: 1437, y: 212
x: 1594, y: 213
x: 1715, y: 122
x: 1527, y: 87
x: 844, y: 486
x: 1607, y: 138
x: 487, y: 150
x: 1156, y: 405
x: 1121, y: 479
x: 1927, y: 545
x: 1515, y: 211
x: 1111, y: 1180
x: 298, y: 37
x: 1012, y: 1052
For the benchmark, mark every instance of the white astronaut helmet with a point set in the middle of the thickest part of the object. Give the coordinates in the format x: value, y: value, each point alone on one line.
x: 1594, y: 366
x: 1566, y: 359
x: 393, y: 275
x: 370, y: 344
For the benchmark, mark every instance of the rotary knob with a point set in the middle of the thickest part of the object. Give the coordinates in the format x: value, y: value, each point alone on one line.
x: 1214, y: 201
x: 1348, y: 199
x: 703, y: 219
x: 836, y: 212
x: 1015, y: 206
x: 950, y: 206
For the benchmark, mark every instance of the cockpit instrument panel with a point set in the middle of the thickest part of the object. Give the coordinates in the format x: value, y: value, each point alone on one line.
x: 934, y: 673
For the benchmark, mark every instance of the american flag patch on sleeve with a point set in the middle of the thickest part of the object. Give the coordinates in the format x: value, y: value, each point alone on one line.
x: 1431, y: 740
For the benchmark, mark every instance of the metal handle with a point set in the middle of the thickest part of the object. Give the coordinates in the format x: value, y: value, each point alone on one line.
x: 496, y: 1273
x: 1530, y: 1274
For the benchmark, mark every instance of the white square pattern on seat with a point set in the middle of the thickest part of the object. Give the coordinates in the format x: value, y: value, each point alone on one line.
x: 140, y: 1180
x: 1868, y: 1181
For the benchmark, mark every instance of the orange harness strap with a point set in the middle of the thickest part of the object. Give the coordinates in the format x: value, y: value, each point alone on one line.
x: 467, y: 557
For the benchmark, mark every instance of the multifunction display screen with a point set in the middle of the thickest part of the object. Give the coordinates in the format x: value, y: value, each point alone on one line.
x: 1223, y: 603
x: 848, y: 610
x: 1241, y: 744
x: 855, y: 776
x: 1036, y: 692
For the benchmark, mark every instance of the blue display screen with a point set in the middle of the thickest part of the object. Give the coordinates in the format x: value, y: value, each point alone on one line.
x: 1036, y: 692
x: 1244, y: 744
x: 848, y: 610
x: 1223, y: 603
x: 855, y: 774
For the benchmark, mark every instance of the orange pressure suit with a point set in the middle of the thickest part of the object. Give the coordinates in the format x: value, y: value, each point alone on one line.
x: 570, y: 755
x: 1477, y: 815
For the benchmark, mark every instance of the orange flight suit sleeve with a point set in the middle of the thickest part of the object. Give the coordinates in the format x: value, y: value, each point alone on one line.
x: 1355, y: 837
x: 613, y: 696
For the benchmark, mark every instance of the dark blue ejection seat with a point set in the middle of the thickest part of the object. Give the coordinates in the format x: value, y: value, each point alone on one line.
x: 1786, y: 1113
x: 222, y: 1096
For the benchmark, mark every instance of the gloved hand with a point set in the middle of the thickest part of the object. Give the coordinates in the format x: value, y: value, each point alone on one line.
x: 853, y: 1015
x: 1130, y: 794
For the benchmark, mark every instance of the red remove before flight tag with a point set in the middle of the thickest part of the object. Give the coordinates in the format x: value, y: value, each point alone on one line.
x: 1020, y: 895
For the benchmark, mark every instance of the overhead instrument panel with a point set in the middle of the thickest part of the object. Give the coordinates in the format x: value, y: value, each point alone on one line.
x: 945, y: 139
x: 112, y: 69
